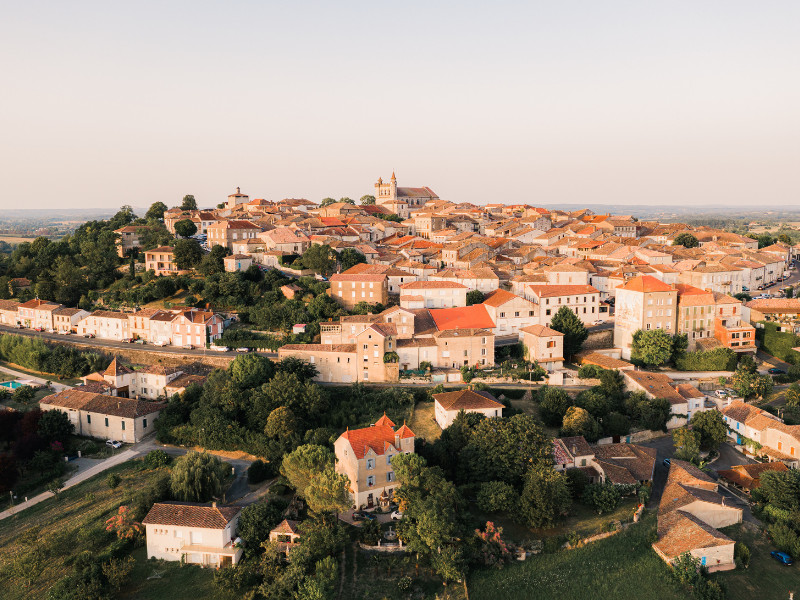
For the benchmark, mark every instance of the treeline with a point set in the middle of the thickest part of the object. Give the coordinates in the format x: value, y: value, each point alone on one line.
x: 56, y: 359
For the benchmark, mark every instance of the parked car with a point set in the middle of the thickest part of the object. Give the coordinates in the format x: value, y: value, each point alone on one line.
x: 219, y: 348
x: 113, y: 444
x: 243, y: 349
x: 396, y: 515
x: 776, y: 371
x: 159, y: 344
x: 598, y: 322
x: 781, y: 557
x: 667, y: 462
x: 127, y: 341
x: 88, y: 335
x: 362, y: 515
x: 37, y: 329
x: 139, y: 341
x: 732, y: 393
x: 51, y: 330
x: 65, y: 332
x: 745, y: 288
x: 721, y: 393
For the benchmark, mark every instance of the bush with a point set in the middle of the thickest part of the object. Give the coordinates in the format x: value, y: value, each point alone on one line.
x: 718, y: 359
x: 113, y: 480
x: 156, y: 459
x: 259, y: 471
x: 603, y: 497
x: 496, y: 496
x: 590, y: 371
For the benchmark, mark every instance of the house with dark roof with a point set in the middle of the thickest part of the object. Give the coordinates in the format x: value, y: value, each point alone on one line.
x: 448, y: 405
x: 105, y: 417
x: 193, y: 533
x: 605, y: 463
x: 365, y: 456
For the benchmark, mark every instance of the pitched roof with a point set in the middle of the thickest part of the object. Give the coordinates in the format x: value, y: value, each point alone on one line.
x: 657, y: 384
x: 467, y: 400
x: 425, y: 285
x: 287, y: 526
x: 646, y: 284
x: 462, y: 317
x: 189, y: 514
x: 541, y: 331
x: 681, y: 532
x: 116, y: 406
x: 499, y: 297
x: 749, y: 476
x: 116, y: 369
x: 548, y: 291
x: 379, y: 437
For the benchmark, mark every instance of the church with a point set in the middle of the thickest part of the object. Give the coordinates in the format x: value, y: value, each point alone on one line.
x: 401, y: 200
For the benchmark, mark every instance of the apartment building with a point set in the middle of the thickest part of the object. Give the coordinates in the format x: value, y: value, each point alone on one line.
x: 510, y: 313
x: 148, y: 383
x: 37, y: 314
x: 129, y: 238
x: 544, y: 345
x: 67, y: 319
x: 106, y: 324
x: 226, y: 233
x: 365, y: 457
x: 350, y: 289
x: 9, y: 312
x: 433, y: 294
x: 645, y: 303
x: 193, y: 533
x: 105, y: 417
x: 729, y: 328
x: 161, y: 261
x: 583, y: 300
x: 696, y: 314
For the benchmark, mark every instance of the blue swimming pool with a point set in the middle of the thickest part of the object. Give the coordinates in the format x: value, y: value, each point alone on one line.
x: 12, y: 385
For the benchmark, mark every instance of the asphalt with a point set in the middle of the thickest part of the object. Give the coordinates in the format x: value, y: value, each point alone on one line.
x: 111, y: 345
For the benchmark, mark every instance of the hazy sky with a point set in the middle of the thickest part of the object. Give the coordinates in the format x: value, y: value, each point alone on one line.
x: 680, y: 102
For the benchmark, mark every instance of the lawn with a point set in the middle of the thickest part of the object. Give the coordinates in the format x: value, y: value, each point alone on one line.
x: 70, y: 525
x: 423, y: 424
x: 765, y: 578
x: 622, y: 566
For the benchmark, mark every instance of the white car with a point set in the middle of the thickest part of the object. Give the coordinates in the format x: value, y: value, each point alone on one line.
x: 159, y: 344
x: 721, y: 393
x: 219, y: 348
x: 243, y: 349
x: 113, y: 444
x: 396, y: 515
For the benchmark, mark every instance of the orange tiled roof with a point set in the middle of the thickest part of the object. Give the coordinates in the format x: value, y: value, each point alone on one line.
x: 462, y: 317
x: 187, y: 514
x: 646, y: 284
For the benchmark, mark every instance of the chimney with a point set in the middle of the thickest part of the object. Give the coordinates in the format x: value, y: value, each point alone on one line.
x: 574, y: 450
x: 397, y: 440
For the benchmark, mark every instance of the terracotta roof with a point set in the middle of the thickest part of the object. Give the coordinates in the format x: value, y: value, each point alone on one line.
x: 681, y: 532
x: 646, y: 284
x: 781, y: 305
x: 749, y: 476
x: 548, y: 291
x: 380, y: 437
x: 541, y: 331
x: 287, y: 526
x: 462, y: 317
x: 467, y: 400
x: 657, y: 384
x: 161, y: 250
x: 499, y: 297
x: 601, y: 360
x: 116, y: 369
x: 358, y: 277
x: 187, y: 514
x: 637, y: 461
x: 98, y: 403
x: 432, y: 285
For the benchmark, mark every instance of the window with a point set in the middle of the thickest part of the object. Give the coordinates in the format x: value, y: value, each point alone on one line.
x: 123, y: 425
x: 370, y: 463
x: 371, y: 480
x: 390, y: 476
x: 88, y: 418
x: 144, y: 423
x: 388, y: 459
x: 106, y: 421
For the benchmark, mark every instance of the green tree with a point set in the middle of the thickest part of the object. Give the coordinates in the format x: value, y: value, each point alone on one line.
x: 553, y: 405
x: 652, y: 347
x: 156, y: 211
x: 198, y: 477
x: 475, y: 297
x: 603, y: 497
x: 55, y: 425
x: 654, y: 414
x: 250, y: 370
x: 118, y: 571
x: 575, y: 333
x: 320, y: 258
x: 748, y: 383
x: 496, y: 496
x: 322, y: 584
x: 578, y: 421
x: 687, y: 444
x: 187, y: 253
x: 185, y: 228
x: 189, y: 203
x: 793, y: 395
x: 615, y: 423
x: 257, y: 520
x: 281, y: 424
x: 328, y: 491
x: 781, y: 489
x: 785, y: 239
x: 350, y: 257
x: 367, y: 200
x: 687, y: 240
x: 327, y: 202
x: 743, y: 297
x: 711, y: 427
x: 546, y: 496
x: 304, y: 464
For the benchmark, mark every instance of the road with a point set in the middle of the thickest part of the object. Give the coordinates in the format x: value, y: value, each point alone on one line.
x: 111, y: 345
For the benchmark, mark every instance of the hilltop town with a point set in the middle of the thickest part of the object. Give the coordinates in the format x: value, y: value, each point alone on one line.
x: 302, y: 385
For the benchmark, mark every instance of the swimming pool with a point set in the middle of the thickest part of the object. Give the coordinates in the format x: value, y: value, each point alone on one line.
x: 12, y: 385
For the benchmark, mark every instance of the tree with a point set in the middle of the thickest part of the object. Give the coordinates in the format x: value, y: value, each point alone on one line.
x: 615, y: 423
x: 257, y: 520
x: 687, y: 240
x: 156, y: 211
x: 748, y: 383
x: 743, y: 296
x: 185, y: 228
x: 475, y: 297
x: 55, y: 425
x: 55, y: 487
x: 322, y: 584
x: 367, y: 200
x: 123, y: 524
x: 545, y: 497
x: 496, y: 496
x: 781, y: 489
x: 793, y: 395
x: 785, y: 239
x: 118, y: 571
x: 603, y: 497
x: 198, y: 477
x: 652, y: 347
x: 189, y: 203
x: 553, y: 405
x: 711, y: 427
x: 654, y: 414
x: 349, y: 257
x: 327, y: 202
x: 320, y: 258
x: 578, y: 421
x: 568, y: 323
x: 687, y: 444
x: 304, y: 464
x: 187, y: 253
x: 250, y: 370
x: 281, y: 424
x: 328, y: 491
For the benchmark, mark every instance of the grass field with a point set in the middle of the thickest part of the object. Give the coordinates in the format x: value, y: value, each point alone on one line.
x: 622, y: 566
x: 765, y: 578
x: 16, y: 239
x: 424, y: 424
x: 75, y: 523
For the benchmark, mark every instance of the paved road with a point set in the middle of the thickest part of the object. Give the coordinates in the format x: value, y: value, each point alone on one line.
x: 111, y: 345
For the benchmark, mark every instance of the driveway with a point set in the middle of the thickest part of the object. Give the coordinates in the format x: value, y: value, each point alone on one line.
x: 728, y: 457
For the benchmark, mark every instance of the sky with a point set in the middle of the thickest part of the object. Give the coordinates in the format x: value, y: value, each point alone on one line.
x: 657, y: 103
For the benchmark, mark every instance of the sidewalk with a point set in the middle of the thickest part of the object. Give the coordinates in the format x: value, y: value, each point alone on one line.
x: 57, y: 387
x: 75, y: 480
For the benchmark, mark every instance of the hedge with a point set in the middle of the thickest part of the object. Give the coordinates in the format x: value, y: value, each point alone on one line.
x: 718, y: 359
x: 778, y: 343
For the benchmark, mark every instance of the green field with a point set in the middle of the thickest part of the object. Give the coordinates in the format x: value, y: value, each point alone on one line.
x: 74, y: 524
x: 622, y: 566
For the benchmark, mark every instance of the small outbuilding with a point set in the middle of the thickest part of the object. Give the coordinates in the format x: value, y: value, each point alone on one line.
x: 448, y: 404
